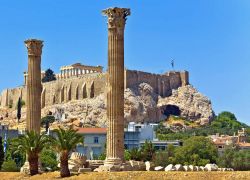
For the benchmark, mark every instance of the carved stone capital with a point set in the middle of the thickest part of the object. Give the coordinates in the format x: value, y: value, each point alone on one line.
x: 34, y: 47
x: 116, y: 16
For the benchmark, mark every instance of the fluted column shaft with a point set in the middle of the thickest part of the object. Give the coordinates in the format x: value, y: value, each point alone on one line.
x: 115, y: 92
x: 34, y: 86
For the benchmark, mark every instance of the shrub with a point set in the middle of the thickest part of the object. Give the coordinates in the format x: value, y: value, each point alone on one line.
x: 127, y: 155
x: 102, y: 156
x: 9, y: 166
x: 197, y: 151
x: 49, y: 159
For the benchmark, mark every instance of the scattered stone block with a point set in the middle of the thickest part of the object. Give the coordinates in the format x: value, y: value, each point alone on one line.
x: 159, y: 168
x: 149, y: 166
x: 197, y: 168
x: 192, y: 168
x: 170, y: 167
x: 83, y: 170
x: 179, y: 167
x: 211, y: 167
x: 186, y: 168
x: 201, y: 168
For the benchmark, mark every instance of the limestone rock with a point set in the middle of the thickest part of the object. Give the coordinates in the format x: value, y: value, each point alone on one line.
x: 179, y: 167
x: 170, y: 167
x: 141, y: 104
x: 192, y: 105
x: 197, y: 168
x: 202, y: 168
x: 211, y: 167
x: 192, y: 168
x: 83, y: 170
x: 137, y: 165
x: 186, y: 168
x: 159, y: 168
x: 149, y: 166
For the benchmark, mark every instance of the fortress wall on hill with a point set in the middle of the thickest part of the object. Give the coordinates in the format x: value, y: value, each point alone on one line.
x: 91, y: 85
x: 161, y: 83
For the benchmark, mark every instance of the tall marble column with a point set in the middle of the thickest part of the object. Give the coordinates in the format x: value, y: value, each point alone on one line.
x: 34, y: 86
x: 115, y: 93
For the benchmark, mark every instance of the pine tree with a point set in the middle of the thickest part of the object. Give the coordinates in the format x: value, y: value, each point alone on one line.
x: 49, y: 76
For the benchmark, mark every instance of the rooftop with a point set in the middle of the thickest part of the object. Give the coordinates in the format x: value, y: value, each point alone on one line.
x: 92, y: 130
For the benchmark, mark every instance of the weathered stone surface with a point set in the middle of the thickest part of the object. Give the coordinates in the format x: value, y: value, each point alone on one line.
x: 192, y: 168
x: 83, y: 170
x: 76, y: 161
x: 93, y: 164
x: 159, y: 168
x: 198, y: 168
x: 25, y: 168
x: 34, y: 86
x: 193, y: 105
x: 201, y: 168
x: 170, y: 167
x: 186, y: 168
x: 179, y: 167
x: 211, y: 167
x: 137, y: 165
x: 115, y: 85
x: 140, y: 104
x: 111, y: 168
x: 149, y: 166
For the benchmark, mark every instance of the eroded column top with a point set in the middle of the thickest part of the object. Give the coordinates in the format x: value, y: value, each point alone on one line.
x: 34, y: 47
x: 116, y: 16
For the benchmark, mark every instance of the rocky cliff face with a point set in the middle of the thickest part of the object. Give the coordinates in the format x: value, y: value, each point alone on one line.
x: 142, y: 104
x: 188, y: 103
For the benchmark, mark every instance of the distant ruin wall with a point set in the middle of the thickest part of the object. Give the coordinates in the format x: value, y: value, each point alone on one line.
x: 91, y: 85
x: 161, y: 83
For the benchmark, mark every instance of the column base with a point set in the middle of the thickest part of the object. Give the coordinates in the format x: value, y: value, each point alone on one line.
x: 113, y: 162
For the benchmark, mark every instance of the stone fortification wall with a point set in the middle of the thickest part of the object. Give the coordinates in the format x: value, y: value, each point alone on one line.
x: 91, y: 85
x: 163, y: 84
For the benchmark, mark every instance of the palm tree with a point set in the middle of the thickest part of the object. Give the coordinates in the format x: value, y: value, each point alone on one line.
x: 31, y: 144
x: 65, y: 142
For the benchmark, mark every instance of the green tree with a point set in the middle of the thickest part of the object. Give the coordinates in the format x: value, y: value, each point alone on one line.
x: 66, y: 141
x: 147, y: 151
x: 1, y: 152
x: 135, y: 154
x: 163, y: 158
x: 225, y: 160
x: 236, y: 159
x: 49, y: 76
x: 31, y: 144
x: 49, y: 159
x: 196, y: 151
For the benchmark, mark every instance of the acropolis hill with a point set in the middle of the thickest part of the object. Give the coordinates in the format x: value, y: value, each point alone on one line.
x: 76, y: 82
x: 80, y: 90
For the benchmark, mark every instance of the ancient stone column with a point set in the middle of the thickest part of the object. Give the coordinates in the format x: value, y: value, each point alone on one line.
x: 34, y: 86
x: 115, y: 92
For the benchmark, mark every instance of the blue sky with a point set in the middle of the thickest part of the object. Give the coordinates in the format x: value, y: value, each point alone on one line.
x: 209, y: 38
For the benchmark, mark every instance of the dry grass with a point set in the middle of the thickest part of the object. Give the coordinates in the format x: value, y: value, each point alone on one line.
x: 135, y: 176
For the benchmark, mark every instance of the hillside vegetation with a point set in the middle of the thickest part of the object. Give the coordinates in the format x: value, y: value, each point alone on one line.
x: 225, y: 123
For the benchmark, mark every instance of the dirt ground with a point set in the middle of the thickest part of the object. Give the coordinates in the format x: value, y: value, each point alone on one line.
x: 134, y: 176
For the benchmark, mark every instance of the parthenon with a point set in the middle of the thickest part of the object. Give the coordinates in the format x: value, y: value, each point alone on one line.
x: 69, y: 71
x: 77, y: 69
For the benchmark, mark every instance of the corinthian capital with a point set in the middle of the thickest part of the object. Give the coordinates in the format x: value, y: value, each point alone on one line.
x: 116, y: 16
x: 34, y: 47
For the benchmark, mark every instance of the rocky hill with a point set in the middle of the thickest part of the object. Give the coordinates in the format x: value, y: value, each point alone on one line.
x: 142, y: 104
